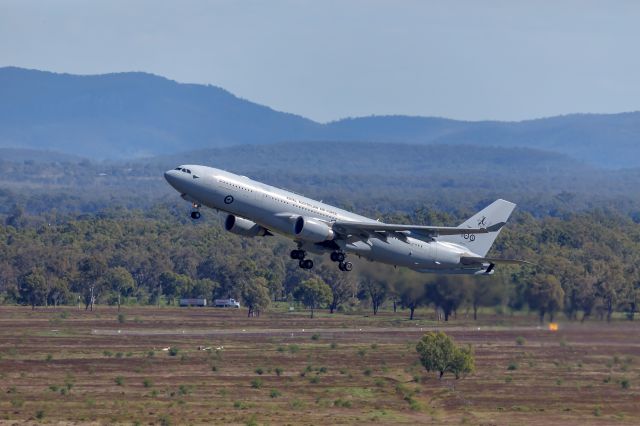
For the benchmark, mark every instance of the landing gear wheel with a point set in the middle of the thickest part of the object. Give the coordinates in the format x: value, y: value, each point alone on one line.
x: 195, y: 215
x: 297, y: 254
x: 337, y: 256
x: 306, y: 263
x: 345, y: 266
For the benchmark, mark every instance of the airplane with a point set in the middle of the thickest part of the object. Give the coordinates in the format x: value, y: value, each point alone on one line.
x: 255, y: 209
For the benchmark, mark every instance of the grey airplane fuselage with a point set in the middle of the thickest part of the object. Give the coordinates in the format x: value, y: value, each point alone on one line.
x: 276, y: 210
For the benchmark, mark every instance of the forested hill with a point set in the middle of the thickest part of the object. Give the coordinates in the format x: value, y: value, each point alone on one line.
x: 129, y: 115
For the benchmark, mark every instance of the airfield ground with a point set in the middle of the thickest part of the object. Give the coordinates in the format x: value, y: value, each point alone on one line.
x: 66, y: 366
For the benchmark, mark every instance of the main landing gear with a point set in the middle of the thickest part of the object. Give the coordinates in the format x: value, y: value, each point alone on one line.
x: 195, y: 214
x: 338, y: 256
x: 300, y: 256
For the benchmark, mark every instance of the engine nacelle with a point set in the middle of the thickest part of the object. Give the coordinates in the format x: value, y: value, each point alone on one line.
x: 244, y: 227
x: 313, y: 230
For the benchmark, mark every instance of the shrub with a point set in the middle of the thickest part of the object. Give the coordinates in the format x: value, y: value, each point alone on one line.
x: 279, y: 371
x: 240, y: 405
x: 512, y: 366
x: 333, y: 345
x: 315, y: 379
x: 49, y: 357
x: 520, y: 341
x: 107, y: 353
x: 362, y: 352
x: 256, y: 383
x: 119, y: 380
x: 259, y: 370
x: 184, y: 390
x: 294, y: 349
x: 274, y: 393
x: 438, y: 352
x: 40, y: 414
x: 367, y: 372
x: 173, y: 351
x: 121, y: 318
x: 315, y: 336
x: 119, y: 354
x: 624, y: 384
x: 147, y: 383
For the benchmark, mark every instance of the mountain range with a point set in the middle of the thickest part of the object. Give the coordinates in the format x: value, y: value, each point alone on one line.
x: 136, y: 115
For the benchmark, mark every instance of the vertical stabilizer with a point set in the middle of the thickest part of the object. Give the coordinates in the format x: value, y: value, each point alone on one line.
x: 496, y: 212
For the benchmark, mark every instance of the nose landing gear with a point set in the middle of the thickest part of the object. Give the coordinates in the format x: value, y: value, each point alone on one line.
x: 195, y: 214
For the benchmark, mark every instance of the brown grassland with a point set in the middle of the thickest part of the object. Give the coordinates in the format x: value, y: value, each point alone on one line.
x: 68, y: 366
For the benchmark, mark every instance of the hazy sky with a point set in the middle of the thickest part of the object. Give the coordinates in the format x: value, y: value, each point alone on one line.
x: 504, y: 60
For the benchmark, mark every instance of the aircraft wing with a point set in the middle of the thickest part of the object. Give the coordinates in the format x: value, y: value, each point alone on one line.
x: 366, y: 228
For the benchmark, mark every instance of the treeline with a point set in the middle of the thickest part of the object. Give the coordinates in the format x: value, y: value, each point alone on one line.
x: 585, y: 265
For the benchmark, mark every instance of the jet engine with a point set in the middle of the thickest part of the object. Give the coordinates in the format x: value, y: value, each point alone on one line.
x: 313, y: 230
x: 244, y: 227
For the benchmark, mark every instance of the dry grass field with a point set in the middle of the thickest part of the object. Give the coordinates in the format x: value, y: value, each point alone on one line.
x: 68, y: 366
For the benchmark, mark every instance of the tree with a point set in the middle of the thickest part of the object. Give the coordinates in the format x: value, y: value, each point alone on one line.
x: 173, y: 284
x: 439, y: 353
x: 313, y: 293
x: 545, y: 294
x: 255, y: 295
x: 374, y: 286
x: 33, y: 288
x: 342, y: 285
x: 120, y: 281
x: 483, y: 292
x: 447, y: 293
x: 411, y: 291
x: 90, y: 279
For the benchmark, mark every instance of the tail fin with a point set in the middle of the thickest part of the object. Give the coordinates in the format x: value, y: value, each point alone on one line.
x: 496, y: 212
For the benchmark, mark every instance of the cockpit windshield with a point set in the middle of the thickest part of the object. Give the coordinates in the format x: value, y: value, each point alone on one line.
x: 182, y: 169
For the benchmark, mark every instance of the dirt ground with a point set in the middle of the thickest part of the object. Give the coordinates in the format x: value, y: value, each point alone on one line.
x: 68, y: 366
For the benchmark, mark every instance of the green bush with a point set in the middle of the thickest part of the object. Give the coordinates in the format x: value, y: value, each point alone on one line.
x: 439, y: 353
x: 520, y: 341
x: 275, y: 393
x: 173, y: 351
x: 119, y: 380
x: 256, y: 383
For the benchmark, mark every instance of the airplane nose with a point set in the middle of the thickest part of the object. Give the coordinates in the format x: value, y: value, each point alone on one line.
x: 170, y: 176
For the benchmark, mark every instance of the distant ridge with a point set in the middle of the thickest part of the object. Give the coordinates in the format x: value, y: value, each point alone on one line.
x: 133, y: 115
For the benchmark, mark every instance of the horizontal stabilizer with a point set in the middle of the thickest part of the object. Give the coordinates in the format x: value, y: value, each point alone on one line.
x: 469, y: 260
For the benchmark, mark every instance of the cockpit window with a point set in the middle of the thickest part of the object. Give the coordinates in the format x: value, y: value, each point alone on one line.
x: 177, y: 168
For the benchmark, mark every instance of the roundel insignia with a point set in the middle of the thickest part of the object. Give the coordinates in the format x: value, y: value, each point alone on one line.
x: 228, y: 199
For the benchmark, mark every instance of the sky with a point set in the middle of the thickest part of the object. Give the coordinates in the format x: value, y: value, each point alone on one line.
x: 470, y: 60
